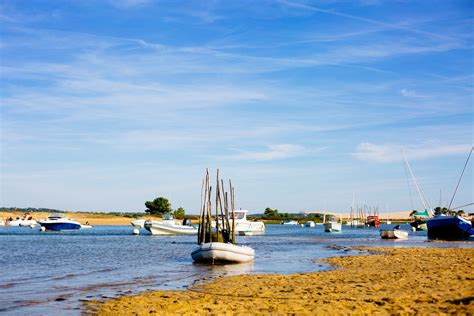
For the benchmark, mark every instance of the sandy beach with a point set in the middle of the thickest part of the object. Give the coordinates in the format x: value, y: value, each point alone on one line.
x: 393, y: 281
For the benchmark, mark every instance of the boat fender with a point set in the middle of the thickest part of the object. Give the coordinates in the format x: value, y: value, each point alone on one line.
x: 136, y: 232
x: 43, y: 228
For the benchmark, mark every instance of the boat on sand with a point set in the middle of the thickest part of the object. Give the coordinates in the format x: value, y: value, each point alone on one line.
x: 393, y: 233
x: 219, y: 252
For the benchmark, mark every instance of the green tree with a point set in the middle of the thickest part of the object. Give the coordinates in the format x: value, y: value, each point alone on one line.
x: 270, y: 212
x: 179, y: 213
x: 159, y: 205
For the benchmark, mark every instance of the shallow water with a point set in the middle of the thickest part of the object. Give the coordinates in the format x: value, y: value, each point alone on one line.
x: 54, y: 272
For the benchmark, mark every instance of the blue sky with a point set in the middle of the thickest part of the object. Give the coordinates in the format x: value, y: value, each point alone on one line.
x: 107, y: 104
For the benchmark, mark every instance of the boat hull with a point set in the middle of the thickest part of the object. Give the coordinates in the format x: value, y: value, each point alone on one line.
x: 22, y: 223
x: 393, y: 234
x: 218, y: 252
x: 449, y: 228
x: 61, y: 226
x: 157, y: 228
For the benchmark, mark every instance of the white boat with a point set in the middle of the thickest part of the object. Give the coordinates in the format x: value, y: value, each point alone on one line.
x: 168, y: 226
x: 332, y: 226
x: 2, y: 222
x: 139, y: 222
x: 393, y: 233
x: 59, y: 222
x: 86, y: 226
x: 25, y: 221
x: 290, y: 222
x: 310, y: 224
x: 215, y: 252
x: 242, y: 224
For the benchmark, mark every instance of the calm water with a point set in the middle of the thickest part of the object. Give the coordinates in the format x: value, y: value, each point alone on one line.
x: 54, y: 272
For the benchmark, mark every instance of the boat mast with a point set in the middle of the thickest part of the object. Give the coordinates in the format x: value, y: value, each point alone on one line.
x: 418, y: 189
x: 459, y: 181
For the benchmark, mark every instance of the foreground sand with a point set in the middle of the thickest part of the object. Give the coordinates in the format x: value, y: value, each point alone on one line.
x: 399, y: 281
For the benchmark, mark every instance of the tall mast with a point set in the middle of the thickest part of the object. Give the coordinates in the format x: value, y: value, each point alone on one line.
x: 462, y: 173
x: 416, y: 184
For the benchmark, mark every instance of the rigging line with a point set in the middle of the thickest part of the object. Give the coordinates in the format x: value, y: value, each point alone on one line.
x: 459, y: 181
x: 408, y: 185
x: 455, y: 208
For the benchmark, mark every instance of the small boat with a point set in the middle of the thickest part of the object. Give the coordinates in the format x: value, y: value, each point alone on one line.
x: 373, y: 221
x: 393, y: 233
x: 59, y: 222
x: 139, y: 222
x: 290, y: 222
x: 219, y: 252
x: 86, y: 226
x: 449, y: 228
x: 218, y: 244
x: 332, y: 225
x: 245, y: 233
x: 25, y: 221
x: 310, y: 224
x: 168, y: 226
x: 242, y: 224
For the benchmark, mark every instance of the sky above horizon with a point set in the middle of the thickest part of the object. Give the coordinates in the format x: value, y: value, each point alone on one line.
x: 303, y: 104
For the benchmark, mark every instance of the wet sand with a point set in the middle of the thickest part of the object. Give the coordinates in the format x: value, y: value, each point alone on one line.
x: 393, y: 281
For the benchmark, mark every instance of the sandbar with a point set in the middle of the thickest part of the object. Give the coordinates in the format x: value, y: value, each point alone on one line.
x: 391, y: 281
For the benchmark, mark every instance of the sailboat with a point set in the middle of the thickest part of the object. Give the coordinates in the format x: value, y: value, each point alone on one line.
x: 451, y: 227
x: 218, y: 244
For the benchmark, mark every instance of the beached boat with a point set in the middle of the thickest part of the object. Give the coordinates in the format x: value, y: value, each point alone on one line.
x: 310, y: 224
x: 393, y: 233
x: 59, y: 222
x: 219, y: 252
x: 449, y: 228
x: 25, y: 221
x: 168, y: 226
x: 139, y: 222
x: 290, y: 222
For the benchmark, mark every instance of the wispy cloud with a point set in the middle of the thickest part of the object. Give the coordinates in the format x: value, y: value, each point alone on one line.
x: 387, y: 153
x: 273, y: 152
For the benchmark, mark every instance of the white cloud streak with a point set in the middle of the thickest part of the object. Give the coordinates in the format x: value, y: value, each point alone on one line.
x: 388, y: 153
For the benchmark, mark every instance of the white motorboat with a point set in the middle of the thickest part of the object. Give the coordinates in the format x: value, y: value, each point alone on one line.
x: 25, y: 221
x: 168, y: 226
x: 242, y: 224
x: 332, y: 225
x: 139, y: 222
x: 216, y: 252
x: 310, y: 224
x: 393, y: 233
x: 59, y: 222
x: 290, y: 222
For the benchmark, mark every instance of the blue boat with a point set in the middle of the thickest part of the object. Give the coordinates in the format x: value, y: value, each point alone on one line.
x: 449, y: 228
x: 59, y: 222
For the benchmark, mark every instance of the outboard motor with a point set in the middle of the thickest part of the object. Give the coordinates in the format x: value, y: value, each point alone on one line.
x: 187, y: 222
